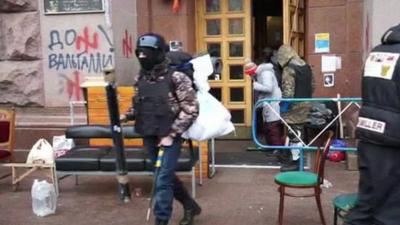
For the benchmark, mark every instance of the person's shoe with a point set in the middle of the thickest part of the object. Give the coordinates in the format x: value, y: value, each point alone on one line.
x: 189, y: 212
x: 161, y: 222
x: 292, y: 166
x: 284, y: 157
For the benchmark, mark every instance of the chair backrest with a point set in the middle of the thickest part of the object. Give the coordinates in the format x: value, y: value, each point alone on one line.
x: 7, y: 129
x: 321, y: 156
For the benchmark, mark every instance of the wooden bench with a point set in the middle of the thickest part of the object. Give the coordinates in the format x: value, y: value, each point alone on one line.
x: 29, y: 170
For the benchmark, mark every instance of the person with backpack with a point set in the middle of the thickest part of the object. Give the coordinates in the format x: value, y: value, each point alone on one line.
x: 165, y: 105
x: 297, y: 82
x: 179, y: 60
x: 265, y: 84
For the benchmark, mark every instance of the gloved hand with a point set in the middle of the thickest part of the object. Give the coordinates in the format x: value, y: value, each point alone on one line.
x: 166, y: 141
x: 123, y: 118
x: 257, y: 85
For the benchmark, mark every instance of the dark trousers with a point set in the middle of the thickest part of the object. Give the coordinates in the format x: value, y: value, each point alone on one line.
x: 273, y: 133
x: 168, y: 185
x: 299, y: 129
x: 379, y: 186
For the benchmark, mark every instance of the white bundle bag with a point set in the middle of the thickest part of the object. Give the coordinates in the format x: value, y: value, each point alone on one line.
x: 214, y: 119
x: 61, y: 145
x: 41, y: 153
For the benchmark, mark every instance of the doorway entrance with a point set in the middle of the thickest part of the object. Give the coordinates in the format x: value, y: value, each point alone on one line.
x: 277, y: 22
x: 267, y: 20
x: 237, y: 29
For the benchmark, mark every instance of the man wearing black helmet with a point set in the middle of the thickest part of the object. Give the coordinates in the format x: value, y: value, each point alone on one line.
x: 165, y: 106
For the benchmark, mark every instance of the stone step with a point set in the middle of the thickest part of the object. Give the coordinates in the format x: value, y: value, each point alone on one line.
x: 35, y: 123
x: 50, y: 117
x: 40, y: 121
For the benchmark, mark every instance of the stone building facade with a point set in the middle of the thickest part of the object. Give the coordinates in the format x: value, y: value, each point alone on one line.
x: 21, y: 73
x: 31, y: 43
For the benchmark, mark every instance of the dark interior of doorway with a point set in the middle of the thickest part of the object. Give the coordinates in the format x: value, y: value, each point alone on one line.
x: 267, y: 26
x: 267, y: 30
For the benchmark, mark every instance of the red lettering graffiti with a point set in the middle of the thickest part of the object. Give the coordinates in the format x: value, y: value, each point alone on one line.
x: 85, y: 40
x: 127, y: 45
x: 73, y: 87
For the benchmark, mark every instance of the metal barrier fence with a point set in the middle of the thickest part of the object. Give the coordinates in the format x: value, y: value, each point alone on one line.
x: 305, y: 146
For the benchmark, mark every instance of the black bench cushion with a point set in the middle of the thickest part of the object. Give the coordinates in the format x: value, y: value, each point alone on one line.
x: 88, y: 131
x: 82, y: 159
x: 98, y: 131
x: 185, y: 163
x: 134, y: 160
x: 129, y: 132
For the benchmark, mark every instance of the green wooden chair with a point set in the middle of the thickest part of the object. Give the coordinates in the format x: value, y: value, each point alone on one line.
x: 305, y: 179
x: 342, y: 204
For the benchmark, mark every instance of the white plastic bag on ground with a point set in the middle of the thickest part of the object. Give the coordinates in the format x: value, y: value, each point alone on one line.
x: 41, y: 153
x: 326, y: 184
x: 61, y: 145
x: 214, y: 119
x: 44, y: 198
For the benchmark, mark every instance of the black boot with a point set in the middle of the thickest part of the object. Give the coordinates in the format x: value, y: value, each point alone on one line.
x: 283, y: 156
x: 189, y: 211
x: 161, y: 222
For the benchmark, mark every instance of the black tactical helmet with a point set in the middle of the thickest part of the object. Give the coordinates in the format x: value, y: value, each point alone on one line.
x: 151, y: 40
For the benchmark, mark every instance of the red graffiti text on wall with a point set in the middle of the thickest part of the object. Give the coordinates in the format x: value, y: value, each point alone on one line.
x: 127, y: 45
x: 73, y: 87
x: 85, y: 41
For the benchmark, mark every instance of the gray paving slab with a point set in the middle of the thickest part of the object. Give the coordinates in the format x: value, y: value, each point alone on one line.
x: 232, y: 197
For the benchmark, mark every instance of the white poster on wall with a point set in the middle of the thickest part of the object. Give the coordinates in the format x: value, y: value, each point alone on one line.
x: 328, y: 63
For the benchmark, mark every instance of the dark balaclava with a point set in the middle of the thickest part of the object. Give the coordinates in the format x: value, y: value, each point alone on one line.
x: 149, y: 57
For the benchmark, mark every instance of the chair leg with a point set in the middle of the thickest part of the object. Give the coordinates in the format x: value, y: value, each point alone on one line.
x: 281, y: 204
x: 193, y: 182
x: 12, y: 158
x: 318, y: 200
x: 335, y: 215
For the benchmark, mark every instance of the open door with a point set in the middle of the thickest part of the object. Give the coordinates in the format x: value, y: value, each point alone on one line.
x: 293, y: 24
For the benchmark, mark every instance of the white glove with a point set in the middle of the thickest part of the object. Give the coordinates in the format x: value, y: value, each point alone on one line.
x: 257, y: 85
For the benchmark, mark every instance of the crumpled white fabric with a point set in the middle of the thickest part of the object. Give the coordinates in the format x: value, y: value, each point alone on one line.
x: 214, y: 119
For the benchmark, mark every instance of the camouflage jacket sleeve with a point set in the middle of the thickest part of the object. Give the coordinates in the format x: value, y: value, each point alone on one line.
x: 288, y: 82
x: 130, y: 112
x: 186, y: 103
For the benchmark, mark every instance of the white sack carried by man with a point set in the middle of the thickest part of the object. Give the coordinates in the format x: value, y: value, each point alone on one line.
x: 214, y: 119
